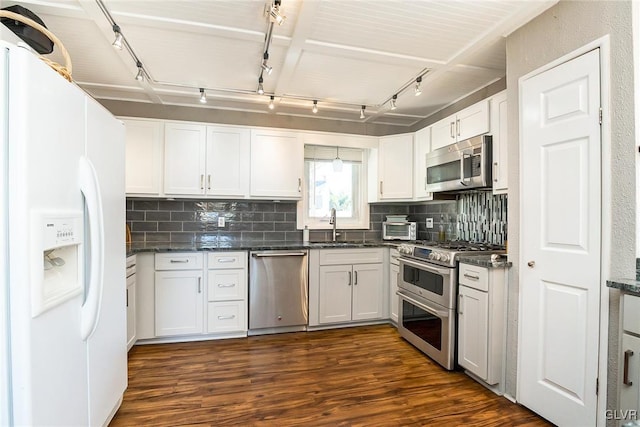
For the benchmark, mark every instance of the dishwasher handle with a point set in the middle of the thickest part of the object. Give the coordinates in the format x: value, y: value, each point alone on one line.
x: 275, y: 254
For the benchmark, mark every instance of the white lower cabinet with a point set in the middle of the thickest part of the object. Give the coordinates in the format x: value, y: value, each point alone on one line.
x: 179, y: 302
x: 481, y: 311
x: 348, y: 292
x: 131, y: 301
x: 630, y: 352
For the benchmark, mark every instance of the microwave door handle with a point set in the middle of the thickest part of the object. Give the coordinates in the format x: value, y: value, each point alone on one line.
x: 464, y: 180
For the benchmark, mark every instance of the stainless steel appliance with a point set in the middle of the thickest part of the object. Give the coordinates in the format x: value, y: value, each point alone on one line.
x: 460, y: 166
x: 399, y: 230
x: 427, y: 291
x: 278, y: 291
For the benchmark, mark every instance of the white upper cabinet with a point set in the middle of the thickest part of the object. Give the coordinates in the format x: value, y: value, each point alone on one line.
x: 277, y: 164
x: 499, y: 132
x: 184, y: 154
x: 227, y: 165
x: 395, y: 167
x: 421, y: 146
x: 144, y: 145
x: 467, y: 123
x: 206, y: 160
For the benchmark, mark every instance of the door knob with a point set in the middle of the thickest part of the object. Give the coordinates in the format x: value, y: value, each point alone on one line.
x: 531, y: 264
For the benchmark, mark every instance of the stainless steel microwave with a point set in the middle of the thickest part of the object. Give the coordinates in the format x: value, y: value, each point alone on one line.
x: 405, y: 230
x: 460, y: 166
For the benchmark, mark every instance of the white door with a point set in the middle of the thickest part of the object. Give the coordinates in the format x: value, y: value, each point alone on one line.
x: 394, y: 269
x: 277, y: 164
x: 367, y: 292
x: 560, y: 248
x: 179, y: 302
x: 227, y: 161
x: 144, y: 156
x: 334, y: 299
x: 443, y: 133
x: 473, y: 330
x: 184, y: 158
x: 473, y: 121
x: 396, y: 167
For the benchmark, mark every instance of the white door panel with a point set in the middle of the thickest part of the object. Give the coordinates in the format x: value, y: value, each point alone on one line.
x: 561, y: 233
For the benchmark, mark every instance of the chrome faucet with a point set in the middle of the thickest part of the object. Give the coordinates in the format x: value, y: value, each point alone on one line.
x: 332, y: 221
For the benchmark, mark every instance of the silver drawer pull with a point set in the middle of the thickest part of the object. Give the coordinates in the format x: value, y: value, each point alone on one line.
x: 220, y: 285
x: 226, y: 259
x: 468, y: 276
x: 233, y: 316
x: 179, y: 261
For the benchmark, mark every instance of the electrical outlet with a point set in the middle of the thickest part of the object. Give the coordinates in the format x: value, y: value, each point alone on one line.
x: 221, y: 221
x: 429, y: 223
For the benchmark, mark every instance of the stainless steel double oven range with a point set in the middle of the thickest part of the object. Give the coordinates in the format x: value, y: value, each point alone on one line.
x: 428, y: 290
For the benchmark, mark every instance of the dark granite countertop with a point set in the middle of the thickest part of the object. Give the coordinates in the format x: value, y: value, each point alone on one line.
x: 486, y: 261
x: 248, y: 246
x: 626, y: 285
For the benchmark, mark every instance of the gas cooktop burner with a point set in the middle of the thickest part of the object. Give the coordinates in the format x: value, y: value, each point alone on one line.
x: 446, y: 253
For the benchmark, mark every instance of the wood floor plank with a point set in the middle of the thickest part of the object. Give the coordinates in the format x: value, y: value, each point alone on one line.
x: 365, y: 376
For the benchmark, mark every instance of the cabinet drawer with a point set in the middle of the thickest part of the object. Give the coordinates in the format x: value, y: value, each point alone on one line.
x: 474, y: 277
x: 227, y: 316
x: 227, y: 260
x: 227, y: 284
x: 179, y: 261
x: 393, y: 256
x: 350, y: 256
x: 631, y: 313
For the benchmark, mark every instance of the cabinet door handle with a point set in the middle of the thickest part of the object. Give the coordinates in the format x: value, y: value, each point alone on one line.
x: 231, y: 285
x: 495, y: 171
x: 233, y: 316
x: 202, y: 181
x: 349, y: 278
x: 425, y: 182
x: 469, y: 276
x: 458, y: 127
x: 355, y: 277
x: 460, y: 304
x: 625, y: 375
x: 451, y: 130
x: 208, y: 182
x: 381, y: 188
x: 299, y: 185
x: 199, y: 285
x: 179, y: 261
x: 127, y: 297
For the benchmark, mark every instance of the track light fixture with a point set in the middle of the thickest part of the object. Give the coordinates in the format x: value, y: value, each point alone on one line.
x: 271, y: 104
x: 140, y: 74
x: 362, y: 116
x: 265, y: 66
x: 117, y: 43
x: 203, y: 96
x: 260, y: 86
x: 315, y: 106
x: 393, y: 102
x: 274, y: 14
x: 418, y: 90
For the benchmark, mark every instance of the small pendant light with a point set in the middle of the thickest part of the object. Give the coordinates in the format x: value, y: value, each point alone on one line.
x: 337, y: 162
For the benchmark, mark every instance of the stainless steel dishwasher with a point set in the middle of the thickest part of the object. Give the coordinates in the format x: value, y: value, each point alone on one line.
x: 278, y: 291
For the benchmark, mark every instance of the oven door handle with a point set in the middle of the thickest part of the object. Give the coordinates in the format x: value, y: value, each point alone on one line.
x: 427, y: 267
x: 439, y: 313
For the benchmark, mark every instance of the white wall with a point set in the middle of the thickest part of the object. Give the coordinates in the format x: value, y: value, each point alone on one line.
x: 558, y: 31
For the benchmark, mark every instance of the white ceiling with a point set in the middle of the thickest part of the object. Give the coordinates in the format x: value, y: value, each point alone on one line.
x: 344, y: 53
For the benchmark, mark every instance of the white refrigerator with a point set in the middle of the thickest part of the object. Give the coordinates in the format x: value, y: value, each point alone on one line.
x: 62, y: 229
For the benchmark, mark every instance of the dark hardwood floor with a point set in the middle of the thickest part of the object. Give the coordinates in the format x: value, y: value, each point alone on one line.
x: 365, y: 376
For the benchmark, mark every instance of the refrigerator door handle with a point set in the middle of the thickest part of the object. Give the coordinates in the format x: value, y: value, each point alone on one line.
x: 91, y: 190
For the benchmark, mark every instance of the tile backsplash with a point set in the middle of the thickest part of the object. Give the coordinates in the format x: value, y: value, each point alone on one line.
x: 476, y: 216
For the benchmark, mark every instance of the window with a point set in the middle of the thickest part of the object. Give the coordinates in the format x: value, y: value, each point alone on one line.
x: 333, y: 184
